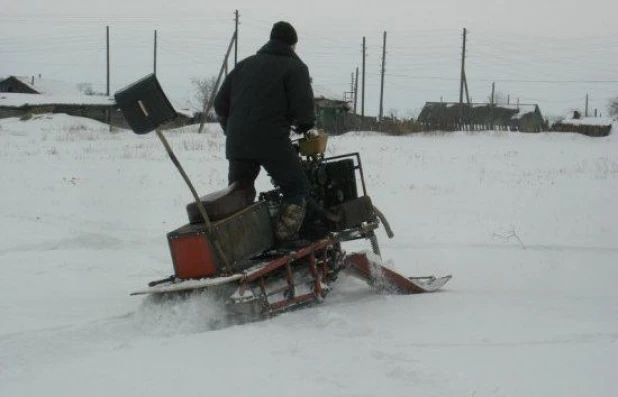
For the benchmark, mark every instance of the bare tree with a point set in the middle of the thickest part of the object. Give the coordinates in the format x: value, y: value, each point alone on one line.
x: 203, y: 89
x: 499, y: 98
x: 412, y: 114
x: 613, y: 107
x: 394, y: 113
x: 86, y: 89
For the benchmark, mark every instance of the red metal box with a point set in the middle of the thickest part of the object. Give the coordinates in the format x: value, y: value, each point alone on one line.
x: 241, y: 236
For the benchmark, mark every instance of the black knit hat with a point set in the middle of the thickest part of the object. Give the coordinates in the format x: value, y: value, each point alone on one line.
x: 285, y: 32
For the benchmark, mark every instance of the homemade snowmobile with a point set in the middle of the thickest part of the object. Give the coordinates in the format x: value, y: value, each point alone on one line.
x: 228, y: 246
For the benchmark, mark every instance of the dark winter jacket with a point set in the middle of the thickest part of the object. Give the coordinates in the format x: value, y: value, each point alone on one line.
x: 261, y: 99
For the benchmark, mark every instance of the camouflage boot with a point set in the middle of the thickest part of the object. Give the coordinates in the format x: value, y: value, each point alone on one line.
x: 289, y: 221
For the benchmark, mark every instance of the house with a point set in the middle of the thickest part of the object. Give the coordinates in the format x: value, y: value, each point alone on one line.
x: 37, y: 85
x: 331, y: 112
x: 23, y: 95
x: 447, y: 116
x: 590, y: 126
x: 18, y: 85
x: 20, y: 96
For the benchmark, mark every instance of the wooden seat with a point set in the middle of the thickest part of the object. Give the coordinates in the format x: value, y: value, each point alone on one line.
x: 223, y: 203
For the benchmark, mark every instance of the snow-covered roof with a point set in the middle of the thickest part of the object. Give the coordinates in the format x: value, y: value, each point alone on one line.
x: 594, y: 121
x: 48, y: 86
x: 17, y: 100
x: 184, y: 107
x: 522, y: 108
x: 322, y: 92
x: 51, y: 92
x: 13, y: 100
x: 519, y: 109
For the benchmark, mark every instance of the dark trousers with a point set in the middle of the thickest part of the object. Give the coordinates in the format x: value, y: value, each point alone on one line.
x: 285, y: 170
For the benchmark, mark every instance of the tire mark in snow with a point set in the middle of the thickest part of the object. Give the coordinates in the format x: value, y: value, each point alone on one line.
x: 93, y: 241
x: 22, y: 351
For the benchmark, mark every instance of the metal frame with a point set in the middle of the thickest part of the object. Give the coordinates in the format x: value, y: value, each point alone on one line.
x: 358, y: 167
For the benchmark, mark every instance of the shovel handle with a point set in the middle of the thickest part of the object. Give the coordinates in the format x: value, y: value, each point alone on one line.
x: 170, y: 153
x: 212, y: 235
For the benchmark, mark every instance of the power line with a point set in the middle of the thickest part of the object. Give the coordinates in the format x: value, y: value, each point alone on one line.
x: 551, y: 81
x: 422, y: 77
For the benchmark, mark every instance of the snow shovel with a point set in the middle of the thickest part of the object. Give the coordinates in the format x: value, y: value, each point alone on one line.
x: 146, y: 108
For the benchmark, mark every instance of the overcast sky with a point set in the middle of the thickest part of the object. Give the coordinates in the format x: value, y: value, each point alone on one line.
x: 548, y: 52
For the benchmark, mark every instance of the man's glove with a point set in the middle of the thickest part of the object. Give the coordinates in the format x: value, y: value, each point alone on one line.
x: 303, y: 128
x: 312, y: 133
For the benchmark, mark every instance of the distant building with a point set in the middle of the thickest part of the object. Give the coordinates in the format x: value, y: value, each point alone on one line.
x: 591, y: 126
x: 23, y: 95
x: 37, y: 85
x: 18, y: 85
x: 331, y: 111
x: 447, y: 116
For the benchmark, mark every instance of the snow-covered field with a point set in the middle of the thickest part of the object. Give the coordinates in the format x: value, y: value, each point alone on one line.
x: 526, y: 223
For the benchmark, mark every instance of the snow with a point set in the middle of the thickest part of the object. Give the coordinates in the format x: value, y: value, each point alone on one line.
x: 526, y: 223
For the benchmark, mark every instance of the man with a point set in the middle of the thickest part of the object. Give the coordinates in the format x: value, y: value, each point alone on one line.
x: 259, y: 102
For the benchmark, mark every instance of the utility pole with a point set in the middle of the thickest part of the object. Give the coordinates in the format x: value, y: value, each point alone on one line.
x: 208, y: 105
x: 586, y: 112
x: 356, y: 90
x: 352, y: 84
x: 107, y: 44
x: 236, y: 35
x: 363, y: 97
x: 155, y: 52
x: 493, y: 92
x: 108, y: 114
x: 382, y: 80
x: 463, y: 75
x: 466, y: 89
